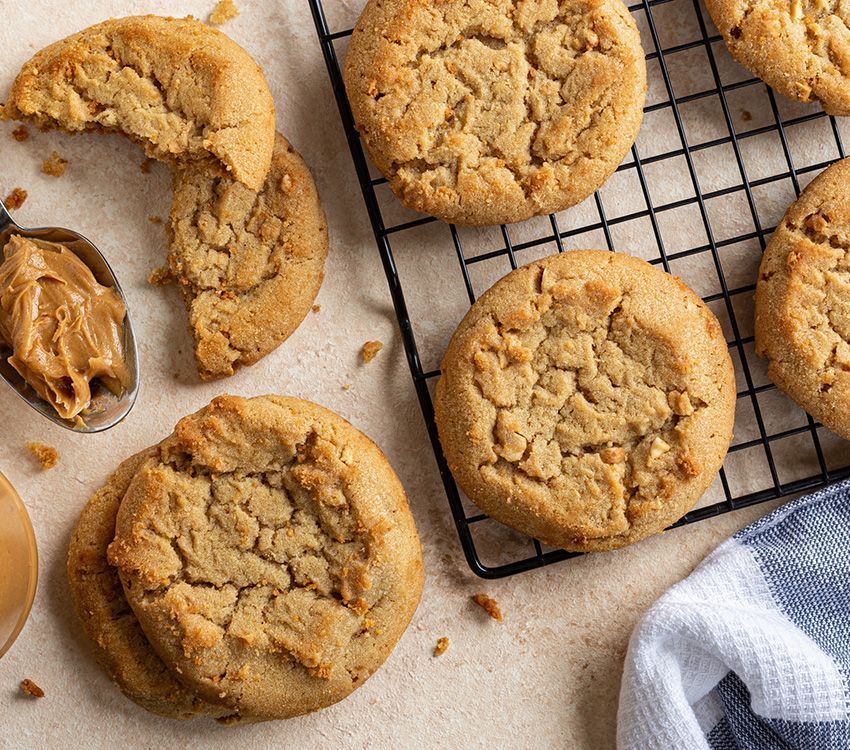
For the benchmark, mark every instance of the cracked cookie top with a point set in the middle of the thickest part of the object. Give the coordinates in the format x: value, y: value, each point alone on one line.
x: 269, y: 554
x: 802, y: 321
x: 493, y: 111
x: 182, y: 90
x: 587, y: 400
x: 119, y: 642
x: 249, y: 264
x: 801, y: 48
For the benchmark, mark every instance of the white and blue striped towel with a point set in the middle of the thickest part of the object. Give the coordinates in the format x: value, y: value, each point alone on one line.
x: 752, y: 650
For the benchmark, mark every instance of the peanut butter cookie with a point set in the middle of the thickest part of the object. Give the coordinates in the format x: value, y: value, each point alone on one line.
x: 587, y: 400
x: 119, y: 643
x: 182, y: 90
x: 801, y: 48
x: 802, y: 321
x: 269, y: 554
x: 249, y: 264
x: 493, y: 111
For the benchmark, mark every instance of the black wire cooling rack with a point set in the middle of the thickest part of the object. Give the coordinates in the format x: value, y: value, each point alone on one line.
x: 778, y: 450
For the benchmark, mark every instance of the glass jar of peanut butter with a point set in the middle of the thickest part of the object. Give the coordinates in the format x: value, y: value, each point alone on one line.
x: 18, y: 565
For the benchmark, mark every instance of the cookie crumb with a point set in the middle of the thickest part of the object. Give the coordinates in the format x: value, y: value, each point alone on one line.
x: 224, y: 11
x: 490, y: 606
x: 442, y: 645
x: 21, y: 133
x: 54, y: 166
x: 30, y: 688
x: 746, y: 115
x: 160, y: 276
x: 155, y: 219
x: 370, y: 350
x: 317, y: 309
x: 346, y: 386
x: 44, y: 454
x: 16, y: 198
x: 146, y: 165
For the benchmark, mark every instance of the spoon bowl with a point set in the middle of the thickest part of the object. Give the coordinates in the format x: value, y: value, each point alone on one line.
x: 106, y: 409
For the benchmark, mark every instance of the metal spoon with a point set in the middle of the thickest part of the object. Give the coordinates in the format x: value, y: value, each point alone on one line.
x: 106, y: 410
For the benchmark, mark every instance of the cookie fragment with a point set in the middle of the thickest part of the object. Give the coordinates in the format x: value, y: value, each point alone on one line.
x: 46, y: 455
x: 224, y: 11
x: 28, y: 687
x: 249, y: 264
x: 370, y: 350
x: 160, y: 276
x: 16, y: 198
x: 21, y: 133
x: 54, y: 165
x: 182, y: 90
x: 490, y: 606
x: 441, y: 646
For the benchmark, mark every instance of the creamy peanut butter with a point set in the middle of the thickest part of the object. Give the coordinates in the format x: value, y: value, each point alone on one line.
x: 63, y: 327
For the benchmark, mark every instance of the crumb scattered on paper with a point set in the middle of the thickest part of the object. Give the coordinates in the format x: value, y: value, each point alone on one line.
x: 160, y: 276
x: 146, y: 165
x: 44, y: 454
x: 30, y: 688
x: 746, y: 115
x: 490, y: 606
x: 55, y: 165
x: 317, y: 308
x: 371, y: 349
x: 155, y: 219
x: 16, y: 198
x: 21, y: 133
x: 442, y: 645
x: 346, y: 386
x: 224, y: 11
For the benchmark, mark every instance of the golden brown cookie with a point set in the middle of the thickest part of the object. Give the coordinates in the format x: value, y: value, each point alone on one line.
x: 803, y: 300
x: 801, y: 48
x: 249, y: 264
x: 493, y: 111
x: 182, y: 90
x: 587, y: 400
x: 269, y: 554
x: 119, y: 643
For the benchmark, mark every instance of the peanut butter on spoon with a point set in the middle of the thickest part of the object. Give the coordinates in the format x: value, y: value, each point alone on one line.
x: 64, y: 328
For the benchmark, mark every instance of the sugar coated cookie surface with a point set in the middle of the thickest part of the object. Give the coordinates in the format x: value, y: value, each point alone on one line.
x: 182, y: 90
x: 801, y: 48
x: 118, y: 640
x: 493, y: 111
x: 269, y: 554
x: 249, y: 264
x: 803, y: 300
x: 587, y: 400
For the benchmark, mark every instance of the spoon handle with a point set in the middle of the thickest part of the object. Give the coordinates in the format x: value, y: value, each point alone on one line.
x: 6, y: 219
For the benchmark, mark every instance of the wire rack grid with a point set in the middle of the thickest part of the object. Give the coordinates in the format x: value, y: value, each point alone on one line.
x: 734, y: 130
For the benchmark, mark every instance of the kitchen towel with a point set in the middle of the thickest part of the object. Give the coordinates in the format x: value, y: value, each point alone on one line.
x: 752, y: 650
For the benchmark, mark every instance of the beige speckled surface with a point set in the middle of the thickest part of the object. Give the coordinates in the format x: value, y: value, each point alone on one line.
x: 549, y: 674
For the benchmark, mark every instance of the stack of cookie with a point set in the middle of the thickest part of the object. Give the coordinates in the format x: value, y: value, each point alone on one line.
x: 247, y: 232
x: 259, y: 563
